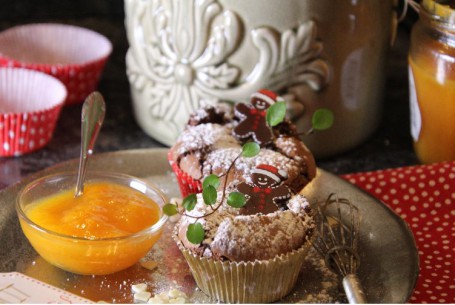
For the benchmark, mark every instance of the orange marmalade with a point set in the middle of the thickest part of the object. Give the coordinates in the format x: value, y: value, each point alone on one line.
x: 432, y: 82
x: 96, y: 231
x: 104, y: 210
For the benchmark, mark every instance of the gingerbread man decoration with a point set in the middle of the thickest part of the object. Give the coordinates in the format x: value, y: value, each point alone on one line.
x: 253, y: 117
x: 266, y: 191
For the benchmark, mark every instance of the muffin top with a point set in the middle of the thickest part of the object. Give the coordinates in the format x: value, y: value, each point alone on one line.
x: 230, y: 235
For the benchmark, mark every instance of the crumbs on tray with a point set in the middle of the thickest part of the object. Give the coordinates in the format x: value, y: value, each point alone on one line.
x: 172, y: 296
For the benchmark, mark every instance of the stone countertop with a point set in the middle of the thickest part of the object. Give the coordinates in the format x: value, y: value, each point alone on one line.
x: 390, y: 146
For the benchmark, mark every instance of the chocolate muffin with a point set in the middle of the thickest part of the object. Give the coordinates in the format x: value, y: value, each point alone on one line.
x: 252, y: 253
x: 212, y: 140
x: 253, y: 258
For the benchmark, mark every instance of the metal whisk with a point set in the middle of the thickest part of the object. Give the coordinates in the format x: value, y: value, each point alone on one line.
x: 337, y: 243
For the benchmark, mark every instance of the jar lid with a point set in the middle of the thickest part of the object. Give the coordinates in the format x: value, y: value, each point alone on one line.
x: 443, y: 9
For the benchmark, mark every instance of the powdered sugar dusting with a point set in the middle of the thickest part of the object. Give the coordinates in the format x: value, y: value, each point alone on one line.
x: 218, y: 161
x: 202, y: 136
x: 250, y: 237
x: 299, y: 204
x: 260, y: 237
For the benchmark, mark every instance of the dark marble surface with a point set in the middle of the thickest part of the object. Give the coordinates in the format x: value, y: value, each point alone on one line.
x: 390, y: 146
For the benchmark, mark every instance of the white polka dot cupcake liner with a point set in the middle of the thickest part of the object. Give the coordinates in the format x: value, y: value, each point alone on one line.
x: 74, y: 55
x: 30, y: 106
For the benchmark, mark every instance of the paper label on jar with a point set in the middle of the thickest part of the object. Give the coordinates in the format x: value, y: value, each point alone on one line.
x: 416, y: 117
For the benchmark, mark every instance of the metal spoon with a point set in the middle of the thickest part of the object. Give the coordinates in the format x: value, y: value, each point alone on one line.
x: 93, y: 112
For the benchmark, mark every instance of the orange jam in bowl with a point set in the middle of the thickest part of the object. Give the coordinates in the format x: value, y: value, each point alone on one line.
x: 113, y: 224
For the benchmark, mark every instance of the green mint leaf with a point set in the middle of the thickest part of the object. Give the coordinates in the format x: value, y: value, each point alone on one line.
x: 170, y: 209
x: 236, y: 200
x: 250, y: 149
x: 189, y: 202
x: 209, y: 195
x: 212, y: 180
x: 276, y: 113
x: 322, y: 119
x: 195, y: 233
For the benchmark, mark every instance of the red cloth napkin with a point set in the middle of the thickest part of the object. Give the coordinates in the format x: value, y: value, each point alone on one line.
x: 423, y: 196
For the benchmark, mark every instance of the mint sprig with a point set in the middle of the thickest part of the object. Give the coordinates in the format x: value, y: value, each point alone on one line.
x: 322, y: 119
x: 209, y: 195
x: 189, y: 202
x: 212, y: 180
x: 250, y: 149
x: 195, y: 232
x: 236, y: 200
x: 275, y: 114
x: 170, y: 209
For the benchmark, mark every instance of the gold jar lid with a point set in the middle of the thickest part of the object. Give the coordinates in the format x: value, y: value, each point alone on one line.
x: 444, y: 10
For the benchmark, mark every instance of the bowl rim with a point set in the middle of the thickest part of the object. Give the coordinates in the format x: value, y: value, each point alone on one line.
x: 99, y: 174
x: 58, y: 66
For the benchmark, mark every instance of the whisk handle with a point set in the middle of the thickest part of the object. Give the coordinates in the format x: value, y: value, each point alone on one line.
x: 353, y: 289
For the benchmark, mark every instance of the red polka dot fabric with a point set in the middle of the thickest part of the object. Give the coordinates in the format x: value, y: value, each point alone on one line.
x: 423, y: 196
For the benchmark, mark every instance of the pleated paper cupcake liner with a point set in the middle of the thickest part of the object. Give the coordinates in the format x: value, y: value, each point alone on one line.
x: 30, y: 107
x: 246, y: 282
x: 187, y: 184
x: 74, y: 55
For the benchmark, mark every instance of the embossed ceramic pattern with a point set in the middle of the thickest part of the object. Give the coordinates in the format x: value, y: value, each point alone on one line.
x: 187, y: 54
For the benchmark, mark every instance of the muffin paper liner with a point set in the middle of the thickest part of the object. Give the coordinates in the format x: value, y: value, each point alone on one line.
x: 187, y: 184
x: 74, y: 55
x: 30, y: 106
x: 246, y: 282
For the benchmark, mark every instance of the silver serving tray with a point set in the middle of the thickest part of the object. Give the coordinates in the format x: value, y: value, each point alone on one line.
x: 389, y: 259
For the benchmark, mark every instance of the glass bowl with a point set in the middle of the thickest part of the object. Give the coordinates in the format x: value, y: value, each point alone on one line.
x: 88, y: 254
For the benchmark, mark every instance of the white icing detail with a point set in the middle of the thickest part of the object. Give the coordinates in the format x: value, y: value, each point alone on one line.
x: 263, y: 97
x: 267, y: 173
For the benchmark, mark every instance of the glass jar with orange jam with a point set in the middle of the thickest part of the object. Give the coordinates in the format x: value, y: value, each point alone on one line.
x: 432, y: 81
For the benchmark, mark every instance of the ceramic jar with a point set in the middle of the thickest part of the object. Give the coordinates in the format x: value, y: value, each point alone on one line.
x: 185, y: 54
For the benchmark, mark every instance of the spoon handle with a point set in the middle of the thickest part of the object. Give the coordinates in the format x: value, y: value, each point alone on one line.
x: 93, y: 112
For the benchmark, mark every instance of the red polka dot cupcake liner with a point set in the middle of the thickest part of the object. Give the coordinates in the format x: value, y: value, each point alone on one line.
x: 30, y: 107
x: 74, y: 55
x: 187, y: 184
